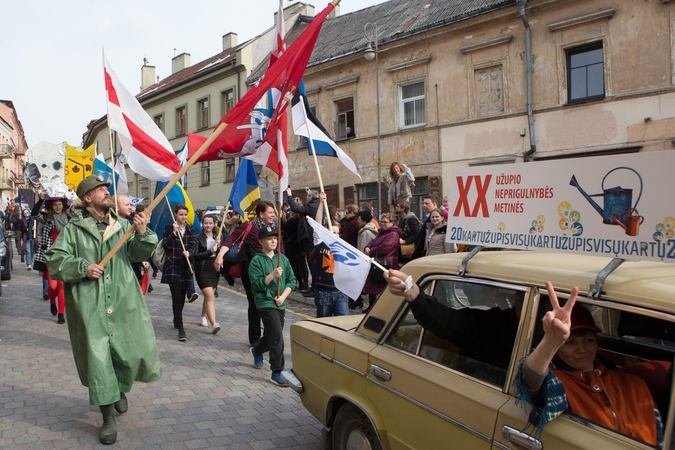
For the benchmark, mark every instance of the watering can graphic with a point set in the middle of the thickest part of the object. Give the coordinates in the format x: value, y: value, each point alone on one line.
x: 618, y: 208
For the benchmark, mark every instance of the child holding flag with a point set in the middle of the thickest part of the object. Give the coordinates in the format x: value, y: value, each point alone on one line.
x: 271, y: 286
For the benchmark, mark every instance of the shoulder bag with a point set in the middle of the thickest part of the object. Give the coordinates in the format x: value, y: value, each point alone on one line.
x: 235, y: 253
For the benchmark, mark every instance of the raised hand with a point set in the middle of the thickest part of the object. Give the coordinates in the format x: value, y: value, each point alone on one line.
x: 557, y: 322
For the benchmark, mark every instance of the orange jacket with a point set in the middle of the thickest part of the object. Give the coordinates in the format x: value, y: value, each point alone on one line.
x: 616, y: 400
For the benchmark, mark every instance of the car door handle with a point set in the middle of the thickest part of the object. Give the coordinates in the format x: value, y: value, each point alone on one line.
x: 379, y: 372
x: 521, y: 438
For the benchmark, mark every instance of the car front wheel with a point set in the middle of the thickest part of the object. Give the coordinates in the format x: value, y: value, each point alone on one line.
x: 353, y: 431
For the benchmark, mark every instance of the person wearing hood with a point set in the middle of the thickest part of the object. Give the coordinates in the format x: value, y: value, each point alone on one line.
x: 384, y: 246
x: 109, y: 323
x: 367, y: 230
x: 52, y: 220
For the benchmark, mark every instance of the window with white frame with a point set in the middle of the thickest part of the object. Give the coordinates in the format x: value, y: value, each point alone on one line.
x: 412, y: 104
x: 206, y: 173
x: 230, y: 170
x: 345, y: 118
x: 203, y: 107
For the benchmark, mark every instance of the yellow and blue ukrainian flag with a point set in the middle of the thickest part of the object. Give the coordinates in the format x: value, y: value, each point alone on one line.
x: 245, y: 190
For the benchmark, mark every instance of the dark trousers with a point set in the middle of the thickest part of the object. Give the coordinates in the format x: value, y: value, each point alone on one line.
x: 177, y: 302
x: 253, y: 315
x: 307, y: 247
x: 273, y: 338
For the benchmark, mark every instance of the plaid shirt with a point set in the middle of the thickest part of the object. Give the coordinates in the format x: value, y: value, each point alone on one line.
x: 176, y: 269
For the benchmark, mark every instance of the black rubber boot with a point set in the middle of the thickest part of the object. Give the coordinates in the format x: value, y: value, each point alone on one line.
x: 121, y: 405
x: 108, y: 433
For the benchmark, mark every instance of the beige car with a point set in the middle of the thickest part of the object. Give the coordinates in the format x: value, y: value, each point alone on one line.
x: 383, y: 381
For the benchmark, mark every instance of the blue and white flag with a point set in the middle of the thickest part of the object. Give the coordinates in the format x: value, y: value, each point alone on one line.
x: 323, y: 145
x: 182, y: 159
x: 351, y: 265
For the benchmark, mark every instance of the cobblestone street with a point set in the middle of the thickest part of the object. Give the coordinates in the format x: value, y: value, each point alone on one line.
x: 210, y: 395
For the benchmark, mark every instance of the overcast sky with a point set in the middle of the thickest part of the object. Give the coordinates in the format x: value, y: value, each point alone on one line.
x: 51, y: 63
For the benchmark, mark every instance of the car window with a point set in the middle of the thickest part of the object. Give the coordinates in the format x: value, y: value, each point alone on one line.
x: 632, y: 342
x: 472, y: 330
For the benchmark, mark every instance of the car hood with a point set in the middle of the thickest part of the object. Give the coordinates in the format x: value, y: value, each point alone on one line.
x: 345, y: 323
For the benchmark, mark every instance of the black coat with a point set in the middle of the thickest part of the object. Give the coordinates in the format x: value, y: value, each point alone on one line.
x: 309, y: 209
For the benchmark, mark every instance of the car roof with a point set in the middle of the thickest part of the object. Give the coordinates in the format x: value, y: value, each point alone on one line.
x: 648, y: 283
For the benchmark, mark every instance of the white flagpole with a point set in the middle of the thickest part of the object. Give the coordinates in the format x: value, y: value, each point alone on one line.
x: 316, y: 162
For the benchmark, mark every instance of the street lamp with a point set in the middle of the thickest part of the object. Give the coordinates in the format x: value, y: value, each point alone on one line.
x: 370, y: 31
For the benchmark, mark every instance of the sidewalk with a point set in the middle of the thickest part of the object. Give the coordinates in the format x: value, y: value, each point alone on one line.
x: 210, y: 395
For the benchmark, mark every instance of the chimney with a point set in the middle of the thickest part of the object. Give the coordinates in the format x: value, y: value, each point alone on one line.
x: 147, y: 76
x: 229, y: 41
x: 295, y: 8
x: 180, y: 62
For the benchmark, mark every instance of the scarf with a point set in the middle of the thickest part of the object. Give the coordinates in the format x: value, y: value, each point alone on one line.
x: 61, y: 220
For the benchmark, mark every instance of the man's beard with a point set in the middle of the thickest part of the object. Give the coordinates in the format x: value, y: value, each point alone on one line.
x: 104, y: 205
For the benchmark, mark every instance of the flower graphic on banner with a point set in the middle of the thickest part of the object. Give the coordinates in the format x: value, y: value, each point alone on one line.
x: 665, y: 230
x: 569, y: 220
x: 538, y: 224
x: 501, y: 226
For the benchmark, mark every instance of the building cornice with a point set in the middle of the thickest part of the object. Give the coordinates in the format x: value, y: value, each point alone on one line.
x: 342, y: 82
x: 411, y: 63
x: 485, y: 44
x: 598, y: 15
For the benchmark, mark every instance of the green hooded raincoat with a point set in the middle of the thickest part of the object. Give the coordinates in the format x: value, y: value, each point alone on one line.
x: 108, y: 320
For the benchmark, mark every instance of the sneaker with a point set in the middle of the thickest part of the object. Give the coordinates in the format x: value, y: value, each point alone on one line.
x: 276, y: 379
x: 181, y: 335
x: 30, y: 268
x: 193, y: 297
x: 205, y: 322
x: 52, y: 308
x: 257, y: 359
x: 216, y: 328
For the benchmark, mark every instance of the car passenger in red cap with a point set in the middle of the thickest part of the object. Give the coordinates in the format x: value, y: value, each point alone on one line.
x: 567, y: 354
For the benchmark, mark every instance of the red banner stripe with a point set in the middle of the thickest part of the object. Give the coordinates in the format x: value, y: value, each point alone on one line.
x: 110, y: 87
x: 150, y: 148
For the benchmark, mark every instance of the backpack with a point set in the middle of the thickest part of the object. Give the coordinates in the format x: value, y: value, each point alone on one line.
x: 159, y: 255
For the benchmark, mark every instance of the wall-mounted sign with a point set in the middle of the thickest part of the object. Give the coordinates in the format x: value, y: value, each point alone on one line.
x: 618, y: 206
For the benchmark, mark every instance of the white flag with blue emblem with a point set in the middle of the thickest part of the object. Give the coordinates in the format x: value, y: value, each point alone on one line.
x: 351, y: 265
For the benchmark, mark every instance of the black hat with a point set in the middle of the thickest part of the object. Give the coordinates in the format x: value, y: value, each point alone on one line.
x: 267, y: 231
x: 88, y: 184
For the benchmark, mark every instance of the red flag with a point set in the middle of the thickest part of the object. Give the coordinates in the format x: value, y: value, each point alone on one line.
x: 276, y: 158
x: 254, y: 121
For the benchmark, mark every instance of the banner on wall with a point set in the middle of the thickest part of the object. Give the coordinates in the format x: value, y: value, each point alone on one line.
x: 617, y: 206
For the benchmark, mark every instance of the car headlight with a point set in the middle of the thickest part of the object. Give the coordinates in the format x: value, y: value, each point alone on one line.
x: 3, y: 251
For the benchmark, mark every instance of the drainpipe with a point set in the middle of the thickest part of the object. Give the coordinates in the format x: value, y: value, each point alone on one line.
x: 528, y: 62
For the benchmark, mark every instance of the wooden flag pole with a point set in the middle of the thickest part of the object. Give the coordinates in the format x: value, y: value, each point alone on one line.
x: 222, y: 222
x: 217, y: 132
x: 316, y: 162
x: 179, y: 236
x: 110, y: 140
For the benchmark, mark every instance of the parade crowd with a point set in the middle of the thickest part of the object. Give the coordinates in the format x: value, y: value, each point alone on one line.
x: 64, y: 241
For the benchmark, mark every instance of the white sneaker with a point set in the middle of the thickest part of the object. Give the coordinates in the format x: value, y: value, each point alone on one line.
x: 216, y: 328
x: 205, y: 322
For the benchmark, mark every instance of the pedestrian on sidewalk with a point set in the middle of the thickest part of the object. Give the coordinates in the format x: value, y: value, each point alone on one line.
x: 271, y: 286
x: 53, y: 220
x: 207, y: 277
x: 27, y: 227
x: 180, y: 244
x: 108, y: 321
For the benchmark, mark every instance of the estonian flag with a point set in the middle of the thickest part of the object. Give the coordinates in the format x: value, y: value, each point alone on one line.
x: 323, y: 145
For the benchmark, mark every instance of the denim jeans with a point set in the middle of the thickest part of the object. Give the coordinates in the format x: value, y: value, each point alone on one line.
x: 29, y: 252
x: 331, y: 303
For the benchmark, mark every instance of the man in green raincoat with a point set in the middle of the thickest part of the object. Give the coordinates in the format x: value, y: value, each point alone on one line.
x: 108, y: 320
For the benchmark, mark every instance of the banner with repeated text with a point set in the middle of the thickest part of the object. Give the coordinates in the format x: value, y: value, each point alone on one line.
x: 616, y: 206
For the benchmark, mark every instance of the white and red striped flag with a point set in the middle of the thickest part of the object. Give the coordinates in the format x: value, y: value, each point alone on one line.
x: 277, y: 158
x: 146, y: 149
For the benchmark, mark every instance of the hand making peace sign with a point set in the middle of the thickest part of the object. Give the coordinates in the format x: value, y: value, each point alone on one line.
x: 557, y: 322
